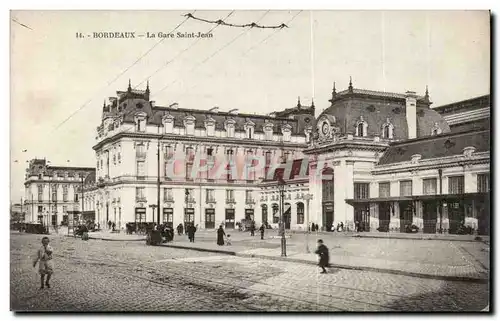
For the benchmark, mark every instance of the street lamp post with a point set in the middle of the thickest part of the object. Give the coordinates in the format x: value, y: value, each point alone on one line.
x: 281, y: 188
x: 307, y: 197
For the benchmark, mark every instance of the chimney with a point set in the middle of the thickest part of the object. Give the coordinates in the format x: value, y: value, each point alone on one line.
x: 411, y: 114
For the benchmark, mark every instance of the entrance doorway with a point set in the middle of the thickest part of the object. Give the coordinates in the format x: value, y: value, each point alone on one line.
x: 249, y: 214
x: 405, y: 215
x: 328, y: 215
x: 188, y: 217
x: 264, y: 214
x: 362, y: 216
x: 229, y: 218
x: 209, y: 218
x: 429, y: 211
x: 384, y: 216
x: 456, y: 216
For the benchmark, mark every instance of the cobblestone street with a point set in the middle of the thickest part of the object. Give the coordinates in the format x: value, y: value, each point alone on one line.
x: 130, y: 276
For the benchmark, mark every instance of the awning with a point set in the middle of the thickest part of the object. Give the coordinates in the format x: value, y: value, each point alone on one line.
x: 442, y: 197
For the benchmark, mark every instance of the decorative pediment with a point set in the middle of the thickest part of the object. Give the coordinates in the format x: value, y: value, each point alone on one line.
x: 249, y: 124
x: 140, y: 114
x: 209, y: 121
x: 189, y: 120
x: 167, y: 118
x: 230, y: 122
x: 286, y: 128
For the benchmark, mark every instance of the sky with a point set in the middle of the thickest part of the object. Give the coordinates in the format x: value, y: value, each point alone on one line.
x: 55, y: 75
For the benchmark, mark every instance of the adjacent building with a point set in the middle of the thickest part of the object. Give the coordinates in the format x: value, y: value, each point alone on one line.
x: 51, y: 192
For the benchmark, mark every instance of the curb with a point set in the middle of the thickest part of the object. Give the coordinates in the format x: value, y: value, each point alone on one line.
x: 412, y: 238
x: 339, y: 266
x: 108, y: 239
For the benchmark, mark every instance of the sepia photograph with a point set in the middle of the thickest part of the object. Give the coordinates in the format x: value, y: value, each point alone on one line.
x: 250, y: 160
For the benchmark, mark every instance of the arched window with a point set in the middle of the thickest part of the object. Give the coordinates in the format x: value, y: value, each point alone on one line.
x: 300, y: 213
x: 436, y: 130
x: 386, y: 133
x: 276, y: 213
x: 361, y: 128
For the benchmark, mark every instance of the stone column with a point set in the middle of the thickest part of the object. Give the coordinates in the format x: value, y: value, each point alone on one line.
x: 315, y: 188
x: 344, y: 189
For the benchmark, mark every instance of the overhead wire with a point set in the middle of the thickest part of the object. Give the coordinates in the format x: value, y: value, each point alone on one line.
x: 212, y: 55
x: 115, y: 78
x: 180, y: 53
x: 251, y: 48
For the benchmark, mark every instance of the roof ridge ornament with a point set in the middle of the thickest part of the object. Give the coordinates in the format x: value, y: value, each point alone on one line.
x: 298, y: 102
x: 350, y: 85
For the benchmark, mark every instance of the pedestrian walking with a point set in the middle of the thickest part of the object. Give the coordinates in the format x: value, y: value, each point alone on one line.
x: 324, y: 256
x: 220, y: 235
x: 179, y: 229
x: 44, y: 259
x: 262, y: 230
x: 191, y: 232
x: 252, y: 229
x: 113, y: 226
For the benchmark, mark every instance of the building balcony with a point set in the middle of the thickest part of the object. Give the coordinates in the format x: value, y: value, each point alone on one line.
x: 249, y: 201
x: 168, y: 199
x: 230, y: 201
x: 141, y: 199
x: 190, y: 200
x: 140, y: 177
x: 211, y: 200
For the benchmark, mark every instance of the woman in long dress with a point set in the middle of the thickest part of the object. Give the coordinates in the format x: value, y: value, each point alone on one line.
x: 220, y: 235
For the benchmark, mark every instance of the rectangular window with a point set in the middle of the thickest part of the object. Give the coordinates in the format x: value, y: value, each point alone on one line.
x: 268, y: 134
x: 276, y: 214
x: 384, y: 189
x: 40, y: 193
x: 230, y: 164
x: 250, y: 164
x: 456, y: 184
x: 230, y: 195
x: 65, y: 209
x: 140, y: 214
x: 189, y: 192
x: 268, y: 163
x: 248, y: 196
x: 429, y: 186
x: 210, y: 195
x: 40, y: 209
x: 188, y: 215
x: 140, y: 194
x: 54, y: 193
x: 483, y: 183
x: 167, y: 195
x: 65, y: 193
x: 189, y: 162
x: 141, y: 169
x: 406, y: 188
x: 140, y: 150
x: 361, y: 190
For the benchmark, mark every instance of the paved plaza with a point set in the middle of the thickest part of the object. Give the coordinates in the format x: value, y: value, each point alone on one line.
x: 100, y: 275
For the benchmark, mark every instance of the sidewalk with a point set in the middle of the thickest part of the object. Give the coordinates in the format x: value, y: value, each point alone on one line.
x: 109, y: 236
x: 427, y: 259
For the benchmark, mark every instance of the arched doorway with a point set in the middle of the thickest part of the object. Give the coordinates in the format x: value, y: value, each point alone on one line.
x: 328, y: 198
x: 300, y: 213
x: 276, y: 213
x: 264, y: 214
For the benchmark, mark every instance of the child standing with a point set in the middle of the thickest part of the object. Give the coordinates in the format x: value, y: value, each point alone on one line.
x: 324, y: 256
x: 44, y: 258
x: 228, y: 239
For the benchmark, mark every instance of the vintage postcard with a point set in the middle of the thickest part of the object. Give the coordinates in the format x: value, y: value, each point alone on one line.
x: 250, y: 161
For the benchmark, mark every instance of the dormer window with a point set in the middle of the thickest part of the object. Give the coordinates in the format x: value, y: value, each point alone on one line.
x: 168, y: 124
x: 286, y: 130
x: 229, y: 125
x: 387, y: 130
x: 210, y: 126
x: 189, y: 125
x: 268, y: 131
x: 140, y: 125
x: 436, y: 130
x: 361, y: 128
x: 250, y: 128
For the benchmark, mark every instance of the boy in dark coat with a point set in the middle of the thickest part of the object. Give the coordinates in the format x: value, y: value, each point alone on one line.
x: 324, y: 256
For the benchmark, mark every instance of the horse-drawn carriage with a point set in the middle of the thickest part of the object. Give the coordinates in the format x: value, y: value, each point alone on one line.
x: 162, y: 234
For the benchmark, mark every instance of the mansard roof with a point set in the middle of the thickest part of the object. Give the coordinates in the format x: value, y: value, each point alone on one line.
x: 436, y: 146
